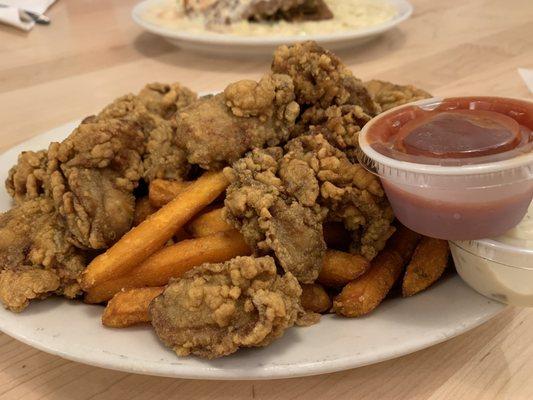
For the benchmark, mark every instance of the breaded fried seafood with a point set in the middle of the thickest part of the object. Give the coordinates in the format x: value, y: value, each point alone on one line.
x: 216, y: 309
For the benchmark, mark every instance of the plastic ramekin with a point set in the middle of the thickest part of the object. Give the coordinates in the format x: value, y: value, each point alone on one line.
x: 452, y: 202
x: 497, y: 270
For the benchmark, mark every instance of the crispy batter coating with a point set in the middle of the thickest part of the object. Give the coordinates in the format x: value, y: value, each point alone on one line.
x: 340, y: 125
x: 154, y: 109
x: 92, y: 175
x: 348, y: 192
x: 165, y: 99
x: 334, y: 102
x: 217, y: 308
x: 389, y: 95
x: 271, y: 220
x: 26, y: 180
x: 78, y: 193
x: 320, y: 79
x: 279, y: 199
x: 217, y: 130
x: 36, y: 256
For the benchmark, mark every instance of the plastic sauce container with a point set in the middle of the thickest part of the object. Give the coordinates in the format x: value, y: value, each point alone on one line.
x: 500, y: 268
x: 457, y: 168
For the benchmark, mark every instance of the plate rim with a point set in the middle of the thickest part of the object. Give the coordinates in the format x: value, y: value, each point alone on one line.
x: 235, y: 40
x: 290, y: 371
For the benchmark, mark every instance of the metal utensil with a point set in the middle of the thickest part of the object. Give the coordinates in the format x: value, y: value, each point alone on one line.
x: 28, y: 16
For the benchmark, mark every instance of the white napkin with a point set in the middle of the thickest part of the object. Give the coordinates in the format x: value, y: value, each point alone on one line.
x: 527, y: 76
x: 10, y: 14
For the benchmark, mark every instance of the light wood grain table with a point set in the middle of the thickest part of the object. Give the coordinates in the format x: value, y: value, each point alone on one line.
x: 93, y: 53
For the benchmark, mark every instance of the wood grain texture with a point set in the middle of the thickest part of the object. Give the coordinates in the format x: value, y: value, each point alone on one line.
x: 93, y: 53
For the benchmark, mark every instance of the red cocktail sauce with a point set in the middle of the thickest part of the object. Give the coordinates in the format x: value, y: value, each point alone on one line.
x: 459, y: 131
x: 456, y: 132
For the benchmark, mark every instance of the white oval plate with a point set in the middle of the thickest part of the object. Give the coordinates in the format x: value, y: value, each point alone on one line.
x: 217, y: 43
x: 73, y: 330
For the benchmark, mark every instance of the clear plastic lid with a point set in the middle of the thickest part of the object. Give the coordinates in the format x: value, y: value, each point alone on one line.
x: 512, y: 167
x: 501, y: 253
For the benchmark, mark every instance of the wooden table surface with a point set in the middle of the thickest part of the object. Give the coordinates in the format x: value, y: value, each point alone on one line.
x: 93, y: 53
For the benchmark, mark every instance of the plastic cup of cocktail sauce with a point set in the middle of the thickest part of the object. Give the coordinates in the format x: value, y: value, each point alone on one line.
x: 456, y: 181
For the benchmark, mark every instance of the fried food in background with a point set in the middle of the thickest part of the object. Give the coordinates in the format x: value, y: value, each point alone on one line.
x: 427, y: 265
x: 172, y: 262
x: 364, y: 294
x: 222, y: 12
x: 389, y: 95
x: 310, y: 10
x: 217, y: 308
x: 130, y: 307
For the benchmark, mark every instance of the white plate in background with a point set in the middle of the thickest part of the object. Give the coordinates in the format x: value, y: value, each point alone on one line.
x: 217, y: 43
x: 73, y: 330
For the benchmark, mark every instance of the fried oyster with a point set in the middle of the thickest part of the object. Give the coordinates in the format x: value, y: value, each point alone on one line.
x: 217, y: 130
x: 388, y: 95
x: 280, y: 197
x: 215, y: 309
x: 333, y: 101
x: 77, y: 196
x: 36, y: 256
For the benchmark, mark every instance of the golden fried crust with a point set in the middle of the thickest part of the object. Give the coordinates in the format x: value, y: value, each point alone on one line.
x: 217, y: 308
x: 153, y: 110
x: 92, y: 176
x: 279, y: 199
x: 348, y: 192
x: 320, y: 78
x: 334, y: 103
x: 388, y: 95
x: 165, y: 99
x: 271, y: 220
x: 217, y: 130
x: 27, y: 179
x: 36, y: 256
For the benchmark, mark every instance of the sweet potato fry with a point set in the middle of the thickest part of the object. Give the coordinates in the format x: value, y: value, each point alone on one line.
x: 172, y: 262
x: 336, y: 236
x: 208, y: 223
x: 129, y: 307
x: 364, y: 294
x: 404, y: 242
x: 314, y: 298
x: 149, y: 236
x: 143, y: 208
x: 427, y: 265
x: 340, y: 268
x: 161, y: 191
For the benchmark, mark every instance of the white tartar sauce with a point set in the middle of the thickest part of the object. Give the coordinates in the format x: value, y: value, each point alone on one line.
x: 499, y: 271
x: 522, y: 234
